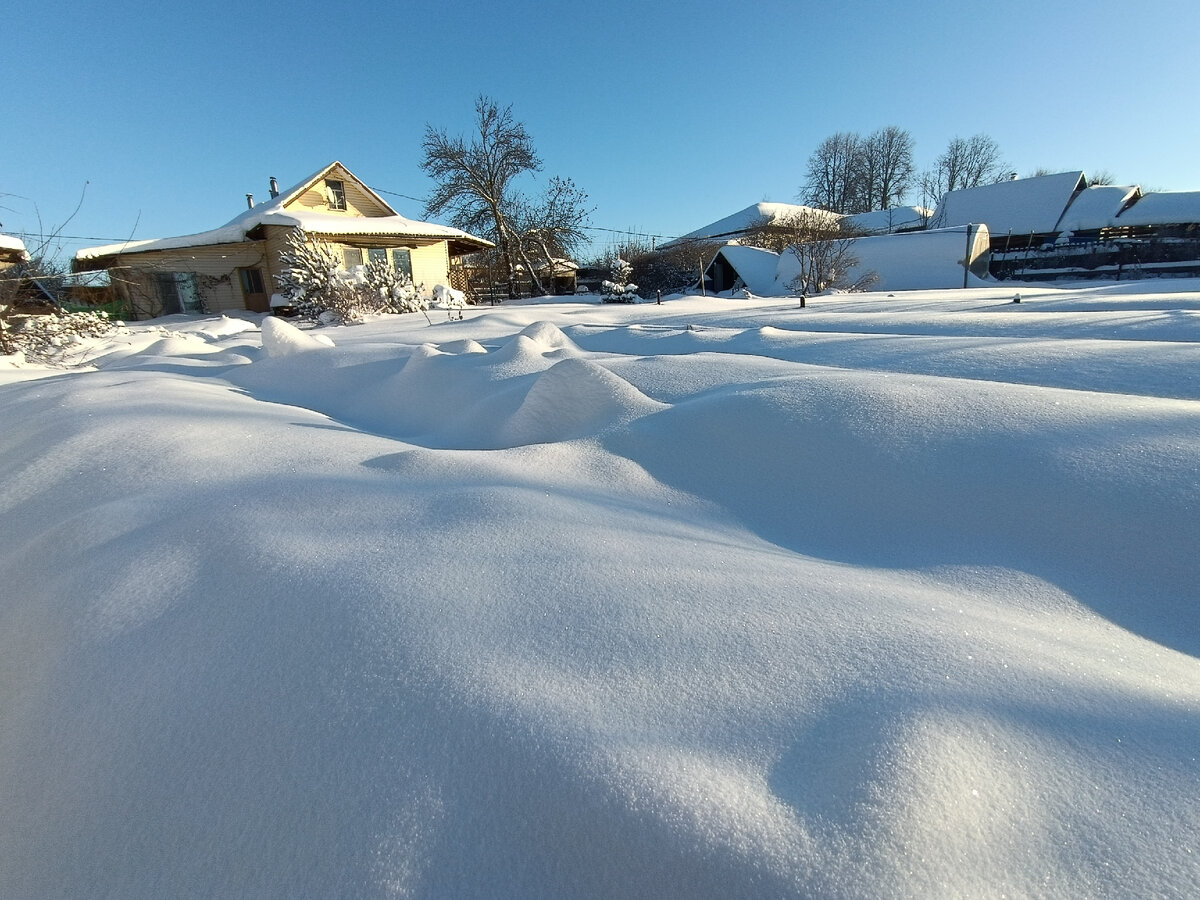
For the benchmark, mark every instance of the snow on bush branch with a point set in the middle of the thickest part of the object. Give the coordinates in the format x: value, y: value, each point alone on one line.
x: 47, y: 339
x: 318, y: 288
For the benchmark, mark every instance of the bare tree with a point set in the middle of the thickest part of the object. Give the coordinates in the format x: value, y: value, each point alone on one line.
x: 823, y: 248
x: 1102, y: 177
x: 551, y: 227
x: 851, y: 174
x: 474, y: 180
x: 887, y: 168
x: 966, y: 163
x: 831, y: 173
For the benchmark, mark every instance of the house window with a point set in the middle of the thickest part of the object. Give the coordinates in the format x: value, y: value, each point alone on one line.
x: 177, y: 292
x: 352, y: 256
x: 377, y: 254
x: 252, y: 281
x: 335, y: 191
x: 402, y: 261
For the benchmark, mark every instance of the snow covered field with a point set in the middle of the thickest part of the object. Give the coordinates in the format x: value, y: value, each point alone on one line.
x: 892, y: 596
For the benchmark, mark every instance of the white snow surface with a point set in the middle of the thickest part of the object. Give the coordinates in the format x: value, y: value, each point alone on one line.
x: 891, y: 596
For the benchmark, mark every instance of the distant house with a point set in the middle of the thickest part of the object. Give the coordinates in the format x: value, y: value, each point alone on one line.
x: 1096, y: 209
x: 234, y: 267
x: 1024, y: 212
x: 896, y: 220
x: 770, y: 217
x: 744, y: 222
x: 1164, y: 214
x: 12, y: 251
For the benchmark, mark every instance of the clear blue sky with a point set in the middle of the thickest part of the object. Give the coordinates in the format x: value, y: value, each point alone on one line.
x: 670, y: 115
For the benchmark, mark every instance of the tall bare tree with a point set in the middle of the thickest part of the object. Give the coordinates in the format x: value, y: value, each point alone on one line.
x: 848, y: 173
x: 474, y: 180
x: 832, y: 173
x: 966, y: 163
x: 550, y: 227
x: 887, y: 169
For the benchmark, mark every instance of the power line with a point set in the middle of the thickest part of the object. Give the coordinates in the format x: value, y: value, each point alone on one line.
x: 397, y: 194
x: 627, y: 231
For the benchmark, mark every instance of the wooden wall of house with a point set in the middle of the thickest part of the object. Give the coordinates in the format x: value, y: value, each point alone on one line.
x: 431, y: 265
x: 215, y: 267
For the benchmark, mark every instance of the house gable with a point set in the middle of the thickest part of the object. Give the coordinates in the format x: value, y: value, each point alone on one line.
x: 337, y: 190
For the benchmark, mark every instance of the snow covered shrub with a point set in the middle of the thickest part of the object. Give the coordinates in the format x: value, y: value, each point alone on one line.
x: 309, y: 281
x: 619, y: 289
x: 393, y: 290
x: 318, y: 288
x: 449, y: 299
x: 48, y: 338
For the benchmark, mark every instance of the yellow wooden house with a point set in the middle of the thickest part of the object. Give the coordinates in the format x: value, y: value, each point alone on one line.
x: 234, y: 267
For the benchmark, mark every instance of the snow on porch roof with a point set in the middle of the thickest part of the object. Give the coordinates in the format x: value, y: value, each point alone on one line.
x: 1023, y: 206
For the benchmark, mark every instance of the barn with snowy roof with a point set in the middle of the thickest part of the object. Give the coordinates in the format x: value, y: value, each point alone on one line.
x: 234, y: 267
x: 1023, y: 212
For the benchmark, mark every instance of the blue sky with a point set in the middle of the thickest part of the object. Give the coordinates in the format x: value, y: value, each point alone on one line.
x: 669, y: 115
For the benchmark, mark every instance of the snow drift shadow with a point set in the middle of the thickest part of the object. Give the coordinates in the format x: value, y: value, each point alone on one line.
x: 915, y: 472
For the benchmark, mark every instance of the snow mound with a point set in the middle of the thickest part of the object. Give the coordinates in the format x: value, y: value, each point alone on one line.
x: 280, y: 338
x: 549, y: 336
x: 467, y: 346
x: 575, y: 398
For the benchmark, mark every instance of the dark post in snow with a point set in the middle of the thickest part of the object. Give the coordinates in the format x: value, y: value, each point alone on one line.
x: 967, y: 258
x: 802, y: 299
x: 660, y: 297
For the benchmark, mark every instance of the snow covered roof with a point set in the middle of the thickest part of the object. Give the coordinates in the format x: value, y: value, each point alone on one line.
x: 14, y: 245
x: 275, y: 212
x: 884, y: 221
x: 1163, y: 208
x: 750, y: 217
x: 755, y: 266
x: 1022, y: 206
x: 1097, y: 207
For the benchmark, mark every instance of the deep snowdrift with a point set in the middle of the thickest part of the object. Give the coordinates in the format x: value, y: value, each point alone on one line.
x: 889, y: 596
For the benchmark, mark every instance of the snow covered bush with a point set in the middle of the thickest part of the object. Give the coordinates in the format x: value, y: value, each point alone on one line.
x: 392, y: 290
x: 309, y: 282
x: 619, y: 289
x: 49, y: 338
x: 315, y: 284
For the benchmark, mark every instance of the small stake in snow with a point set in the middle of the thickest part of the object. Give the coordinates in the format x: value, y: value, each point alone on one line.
x: 802, y: 301
x: 660, y: 298
x: 1017, y: 298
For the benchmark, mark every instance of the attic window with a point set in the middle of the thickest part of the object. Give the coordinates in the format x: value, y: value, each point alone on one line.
x: 335, y: 192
